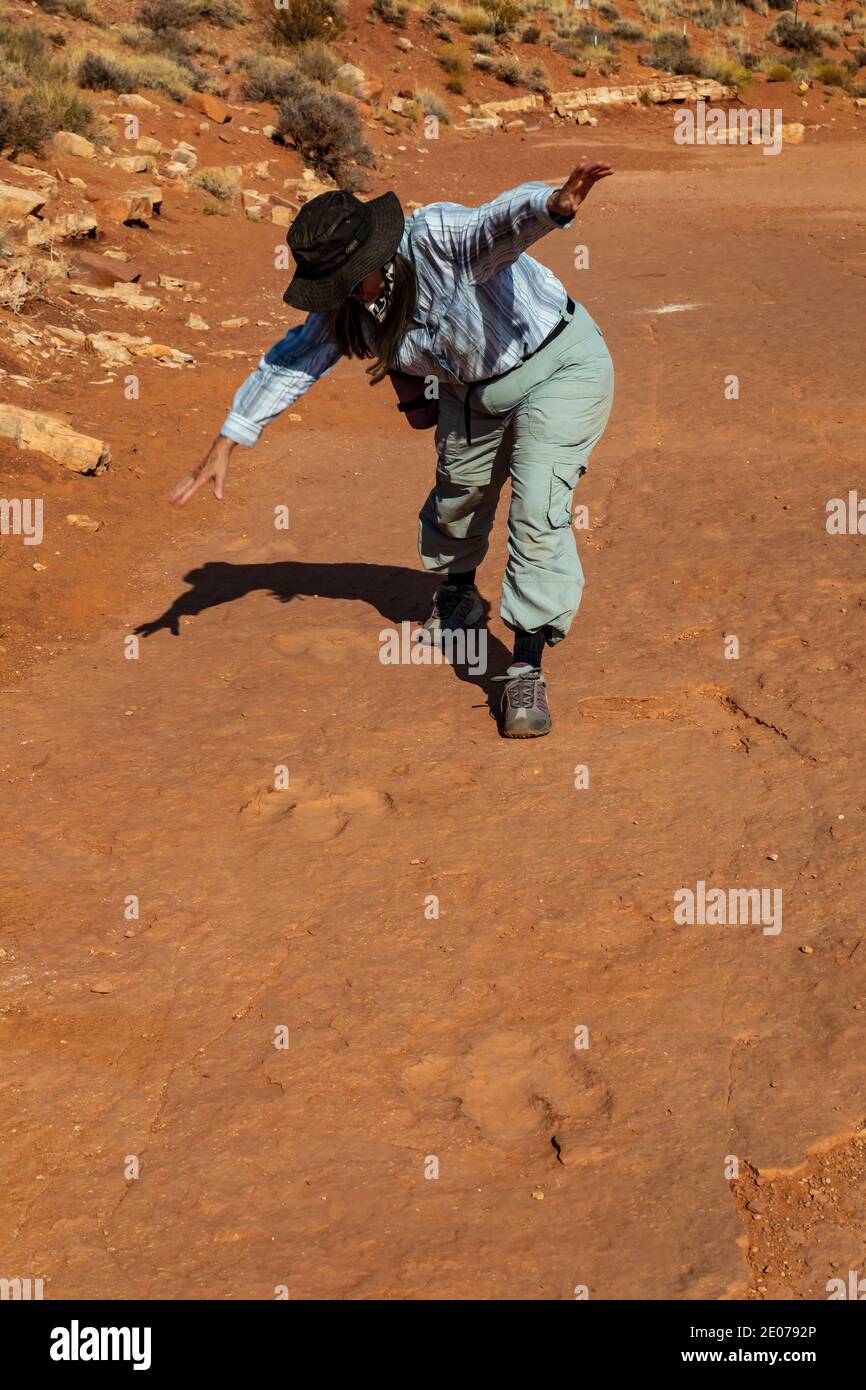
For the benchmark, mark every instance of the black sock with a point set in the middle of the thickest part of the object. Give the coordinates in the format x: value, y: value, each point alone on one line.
x: 463, y: 580
x: 528, y: 646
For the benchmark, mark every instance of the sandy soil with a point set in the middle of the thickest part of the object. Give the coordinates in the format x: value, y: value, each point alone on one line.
x: 411, y: 1036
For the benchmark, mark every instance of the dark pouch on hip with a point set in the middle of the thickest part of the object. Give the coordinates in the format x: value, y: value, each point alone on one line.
x: 421, y: 412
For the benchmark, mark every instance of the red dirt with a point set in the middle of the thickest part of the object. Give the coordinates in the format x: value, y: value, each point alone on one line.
x: 305, y: 909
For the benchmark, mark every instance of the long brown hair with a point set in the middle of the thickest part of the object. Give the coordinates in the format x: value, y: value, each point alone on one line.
x: 350, y: 320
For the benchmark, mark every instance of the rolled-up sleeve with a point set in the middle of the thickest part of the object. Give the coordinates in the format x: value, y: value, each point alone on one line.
x: 482, y: 241
x: 285, y: 372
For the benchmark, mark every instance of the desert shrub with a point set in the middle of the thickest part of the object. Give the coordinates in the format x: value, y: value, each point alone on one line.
x: 393, y: 12
x: 225, y: 14
x: 759, y: 6
x: 585, y: 33
x: 778, y: 4
x: 854, y: 21
x: 315, y: 60
x: 97, y: 71
x: 799, y: 37
x: 61, y: 104
x: 457, y: 62
x: 176, y: 44
x: 778, y: 72
x: 535, y: 77
x: 712, y: 14
x: 829, y: 33
x: 51, y: 6
x: 214, y: 182
x: 531, y: 34
x: 628, y: 31
x: 302, y: 20
x: 100, y: 72
x: 324, y: 128
x: 473, y: 20
x: 832, y: 74
x: 83, y: 9
x: 723, y: 68
x: 504, y: 15
x: 159, y: 15
x: 508, y: 70
x: 23, y: 45
x: 672, y: 52
x: 658, y: 11
x: 24, y: 126
x: 267, y: 78
x: 485, y: 43
x: 607, y: 11
x: 432, y: 105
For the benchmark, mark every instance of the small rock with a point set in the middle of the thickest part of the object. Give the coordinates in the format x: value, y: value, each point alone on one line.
x: 140, y: 103
x: 101, y: 987
x: 18, y: 203
x: 208, y: 105
x: 129, y: 207
x: 133, y: 163
x: 758, y: 1208
x: 371, y: 88
x: 233, y: 323
x: 82, y: 522
x: 196, y: 322
x: 68, y: 143
x: 792, y: 133
x: 183, y: 155
x: 807, y: 950
x: 148, y: 145
x: 405, y: 44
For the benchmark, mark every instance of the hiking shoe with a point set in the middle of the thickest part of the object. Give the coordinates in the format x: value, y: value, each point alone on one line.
x: 524, y: 711
x: 453, y: 608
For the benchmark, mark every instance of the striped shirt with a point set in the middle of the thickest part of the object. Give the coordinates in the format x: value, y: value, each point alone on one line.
x: 482, y: 306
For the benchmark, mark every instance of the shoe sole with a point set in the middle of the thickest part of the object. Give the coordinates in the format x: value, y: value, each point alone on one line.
x: 528, y: 733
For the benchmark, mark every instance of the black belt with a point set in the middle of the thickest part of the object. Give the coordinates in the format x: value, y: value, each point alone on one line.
x: 554, y: 333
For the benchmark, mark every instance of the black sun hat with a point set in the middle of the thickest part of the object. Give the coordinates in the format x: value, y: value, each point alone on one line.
x: 336, y: 240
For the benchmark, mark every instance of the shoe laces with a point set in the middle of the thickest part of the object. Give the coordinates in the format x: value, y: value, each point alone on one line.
x: 449, y: 599
x: 524, y: 689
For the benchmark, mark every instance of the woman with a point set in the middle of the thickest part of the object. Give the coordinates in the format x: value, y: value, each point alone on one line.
x: 524, y: 380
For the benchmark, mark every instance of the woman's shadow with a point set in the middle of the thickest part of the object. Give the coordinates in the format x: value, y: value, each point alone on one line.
x: 399, y: 594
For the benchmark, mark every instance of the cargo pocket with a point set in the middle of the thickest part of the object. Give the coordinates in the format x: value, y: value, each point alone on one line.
x: 564, y: 477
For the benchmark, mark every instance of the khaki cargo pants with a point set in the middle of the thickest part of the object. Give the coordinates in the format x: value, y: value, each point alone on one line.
x: 538, y: 426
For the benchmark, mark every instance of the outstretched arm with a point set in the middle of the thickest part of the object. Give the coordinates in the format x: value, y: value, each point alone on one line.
x: 285, y: 372
x: 482, y: 241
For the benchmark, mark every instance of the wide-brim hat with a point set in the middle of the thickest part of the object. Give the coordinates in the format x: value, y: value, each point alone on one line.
x: 336, y: 241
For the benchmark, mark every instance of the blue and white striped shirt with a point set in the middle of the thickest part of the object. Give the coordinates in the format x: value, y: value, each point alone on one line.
x: 482, y: 306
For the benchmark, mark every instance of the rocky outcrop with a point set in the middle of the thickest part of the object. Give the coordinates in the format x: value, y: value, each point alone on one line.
x: 650, y: 93
x: 46, y: 434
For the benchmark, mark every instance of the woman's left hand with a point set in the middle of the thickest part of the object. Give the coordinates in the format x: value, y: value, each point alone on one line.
x: 565, y: 201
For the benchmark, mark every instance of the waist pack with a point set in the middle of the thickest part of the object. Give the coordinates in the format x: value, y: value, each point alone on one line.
x: 421, y: 412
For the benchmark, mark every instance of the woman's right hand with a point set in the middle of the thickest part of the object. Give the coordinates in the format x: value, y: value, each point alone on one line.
x: 212, y: 469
